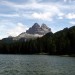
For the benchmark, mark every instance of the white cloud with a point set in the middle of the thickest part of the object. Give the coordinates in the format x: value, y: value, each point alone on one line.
x: 32, y: 9
x: 9, y: 15
x: 51, y: 9
x: 18, y: 29
x: 65, y: 0
x: 4, y: 24
x: 72, y: 22
x: 47, y: 10
x: 70, y: 16
x: 43, y: 16
x: 4, y: 27
x: 3, y: 36
x: 8, y: 28
x: 33, y: 4
x: 61, y: 16
x: 68, y: 1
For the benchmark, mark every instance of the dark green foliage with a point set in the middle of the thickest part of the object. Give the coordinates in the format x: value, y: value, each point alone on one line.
x: 60, y: 43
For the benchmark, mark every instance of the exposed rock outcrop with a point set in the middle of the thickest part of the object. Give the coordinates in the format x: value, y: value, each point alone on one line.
x: 33, y: 32
x: 37, y: 29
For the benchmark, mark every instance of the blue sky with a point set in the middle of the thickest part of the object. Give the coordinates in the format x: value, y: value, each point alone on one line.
x: 16, y: 16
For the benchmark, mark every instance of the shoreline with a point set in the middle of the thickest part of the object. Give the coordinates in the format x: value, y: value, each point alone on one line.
x: 73, y: 55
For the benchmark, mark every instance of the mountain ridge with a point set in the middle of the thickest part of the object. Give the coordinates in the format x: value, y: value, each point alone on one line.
x: 33, y: 32
x: 37, y: 29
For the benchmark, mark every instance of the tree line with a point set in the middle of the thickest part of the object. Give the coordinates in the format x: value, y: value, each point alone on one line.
x: 59, y: 43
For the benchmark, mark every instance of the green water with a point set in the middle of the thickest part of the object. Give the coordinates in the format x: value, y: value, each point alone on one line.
x: 36, y: 65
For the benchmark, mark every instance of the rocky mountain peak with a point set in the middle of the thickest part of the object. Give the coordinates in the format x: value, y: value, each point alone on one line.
x: 36, y: 25
x: 37, y: 29
x: 33, y: 32
x: 44, y: 26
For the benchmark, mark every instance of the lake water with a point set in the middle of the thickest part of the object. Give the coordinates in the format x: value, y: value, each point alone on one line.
x: 36, y: 65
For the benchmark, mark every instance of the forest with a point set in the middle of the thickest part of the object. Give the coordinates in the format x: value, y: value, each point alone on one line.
x: 59, y: 43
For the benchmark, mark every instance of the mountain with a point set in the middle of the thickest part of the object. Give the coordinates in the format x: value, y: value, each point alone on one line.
x: 59, y: 43
x: 37, y: 29
x: 33, y: 32
x: 26, y: 36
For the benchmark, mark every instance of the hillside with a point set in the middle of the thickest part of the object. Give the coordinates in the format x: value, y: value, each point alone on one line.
x: 59, y: 43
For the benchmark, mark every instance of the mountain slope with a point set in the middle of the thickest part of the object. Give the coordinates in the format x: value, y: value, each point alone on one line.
x: 34, y: 32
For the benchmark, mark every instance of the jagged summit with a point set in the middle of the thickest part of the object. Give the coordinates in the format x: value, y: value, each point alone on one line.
x: 36, y: 25
x: 44, y: 26
x: 37, y: 29
x: 33, y: 32
x: 34, y: 29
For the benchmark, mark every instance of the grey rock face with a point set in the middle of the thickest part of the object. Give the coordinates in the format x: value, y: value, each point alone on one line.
x: 34, y: 29
x: 37, y: 29
x: 45, y: 29
x: 32, y: 33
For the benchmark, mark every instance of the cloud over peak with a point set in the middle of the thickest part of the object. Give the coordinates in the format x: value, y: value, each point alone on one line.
x: 15, y: 15
x: 18, y: 29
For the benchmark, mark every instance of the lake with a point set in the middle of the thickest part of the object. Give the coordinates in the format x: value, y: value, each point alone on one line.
x: 36, y: 65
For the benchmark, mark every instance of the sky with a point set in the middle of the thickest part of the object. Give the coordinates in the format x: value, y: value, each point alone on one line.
x: 16, y: 16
